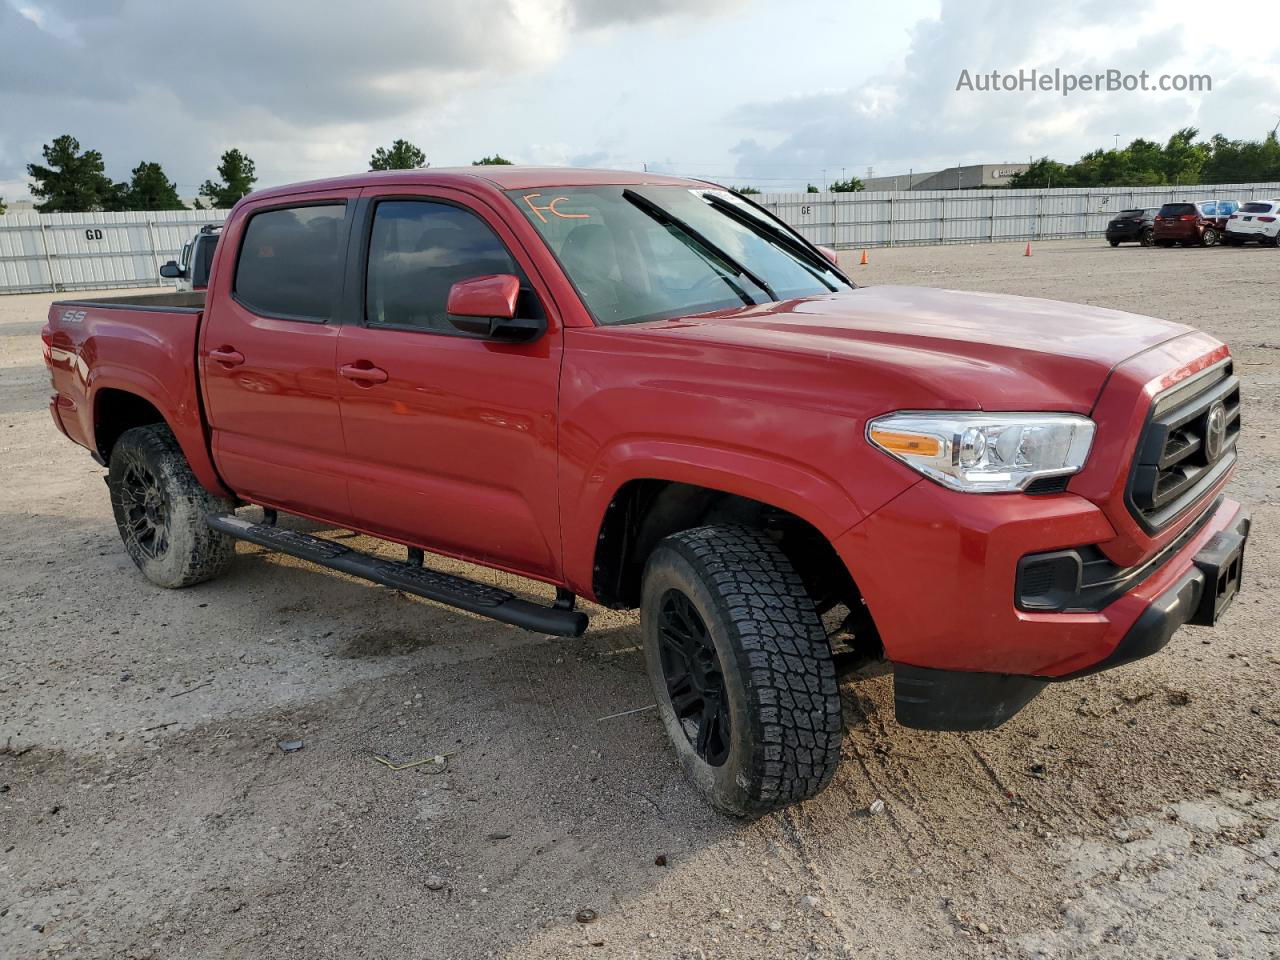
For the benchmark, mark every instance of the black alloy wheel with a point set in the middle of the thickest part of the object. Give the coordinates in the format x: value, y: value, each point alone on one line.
x: 694, y: 678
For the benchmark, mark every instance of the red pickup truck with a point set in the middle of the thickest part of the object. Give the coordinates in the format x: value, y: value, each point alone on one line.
x: 651, y: 393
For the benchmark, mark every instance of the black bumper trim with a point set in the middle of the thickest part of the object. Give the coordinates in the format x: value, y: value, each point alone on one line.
x: 929, y: 699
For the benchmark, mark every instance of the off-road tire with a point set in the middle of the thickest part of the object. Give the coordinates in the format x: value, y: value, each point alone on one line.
x: 779, y: 681
x: 149, y: 458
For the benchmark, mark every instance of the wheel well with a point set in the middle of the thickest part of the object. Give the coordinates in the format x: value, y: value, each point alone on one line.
x: 114, y: 412
x: 643, y: 512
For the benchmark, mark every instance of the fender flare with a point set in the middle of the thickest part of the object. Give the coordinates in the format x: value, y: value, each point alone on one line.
x: 794, y: 487
x: 183, y: 418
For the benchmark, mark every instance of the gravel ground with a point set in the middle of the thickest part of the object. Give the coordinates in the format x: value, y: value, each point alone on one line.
x: 146, y: 809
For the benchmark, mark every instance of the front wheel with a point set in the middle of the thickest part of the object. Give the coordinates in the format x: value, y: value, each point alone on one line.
x: 1114, y: 243
x: 160, y: 510
x: 741, y: 668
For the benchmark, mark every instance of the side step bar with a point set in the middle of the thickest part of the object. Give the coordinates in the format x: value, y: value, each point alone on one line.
x: 446, y: 588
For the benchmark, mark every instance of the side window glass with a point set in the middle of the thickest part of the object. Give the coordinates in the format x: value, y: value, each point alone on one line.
x: 291, y: 262
x: 417, y: 251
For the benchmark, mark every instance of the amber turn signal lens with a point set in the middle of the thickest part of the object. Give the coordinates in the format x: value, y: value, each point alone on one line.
x: 907, y: 444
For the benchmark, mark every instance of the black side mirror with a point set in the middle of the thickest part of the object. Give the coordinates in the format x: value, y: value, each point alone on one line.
x: 171, y: 271
x: 512, y: 329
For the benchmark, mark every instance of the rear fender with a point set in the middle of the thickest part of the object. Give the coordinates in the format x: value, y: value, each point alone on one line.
x: 180, y: 413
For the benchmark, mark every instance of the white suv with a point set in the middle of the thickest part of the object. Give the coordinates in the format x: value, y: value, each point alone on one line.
x: 1256, y: 220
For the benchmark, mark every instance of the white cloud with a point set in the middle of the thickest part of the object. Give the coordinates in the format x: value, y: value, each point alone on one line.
x: 914, y: 116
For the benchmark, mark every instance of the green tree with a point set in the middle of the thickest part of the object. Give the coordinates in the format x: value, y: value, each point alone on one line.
x: 403, y: 155
x: 745, y: 191
x: 3, y: 208
x: 852, y: 185
x: 238, y: 177
x: 1184, y: 159
x: 72, y: 182
x: 811, y: 189
x: 150, y: 189
x: 497, y: 160
x: 1043, y: 173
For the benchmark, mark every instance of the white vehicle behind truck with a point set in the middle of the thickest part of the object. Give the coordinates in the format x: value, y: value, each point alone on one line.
x: 191, y: 270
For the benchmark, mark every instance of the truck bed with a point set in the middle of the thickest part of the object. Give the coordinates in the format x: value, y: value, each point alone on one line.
x: 111, y: 355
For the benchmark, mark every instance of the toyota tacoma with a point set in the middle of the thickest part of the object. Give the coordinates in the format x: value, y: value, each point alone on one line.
x: 651, y: 393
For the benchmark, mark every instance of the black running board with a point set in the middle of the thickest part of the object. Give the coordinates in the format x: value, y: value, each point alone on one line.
x: 478, y: 598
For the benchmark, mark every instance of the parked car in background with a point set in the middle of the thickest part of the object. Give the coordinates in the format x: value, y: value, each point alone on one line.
x: 192, y: 269
x: 1189, y: 224
x: 1256, y: 220
x: 1133, y: 226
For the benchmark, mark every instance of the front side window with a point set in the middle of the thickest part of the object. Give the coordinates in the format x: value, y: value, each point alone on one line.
x: 639, y: 253
x: 291, y: 262
x: 417, y: 251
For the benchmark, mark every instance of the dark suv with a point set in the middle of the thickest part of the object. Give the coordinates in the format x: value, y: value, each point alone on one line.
x: 1132, y: 226
x: 1189, y: 224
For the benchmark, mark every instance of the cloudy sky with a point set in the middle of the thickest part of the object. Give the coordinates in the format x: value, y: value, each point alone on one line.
x: 774, y: 93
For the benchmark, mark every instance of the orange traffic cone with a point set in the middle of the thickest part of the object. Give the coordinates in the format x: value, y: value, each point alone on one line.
x: 1028, y: 252
x: 863, y: 262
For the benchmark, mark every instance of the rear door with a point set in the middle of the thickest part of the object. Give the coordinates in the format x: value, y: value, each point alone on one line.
x: 451, y: 440
x: 267, y: 351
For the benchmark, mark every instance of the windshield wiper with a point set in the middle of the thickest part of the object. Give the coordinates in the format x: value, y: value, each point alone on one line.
x: 666, y: 218
x: 779, y: 237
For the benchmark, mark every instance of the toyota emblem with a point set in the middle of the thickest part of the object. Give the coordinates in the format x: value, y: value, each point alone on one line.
x: 1215, y: 432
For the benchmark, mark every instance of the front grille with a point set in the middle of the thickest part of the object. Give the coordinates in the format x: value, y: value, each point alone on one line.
x: 1187, y: 445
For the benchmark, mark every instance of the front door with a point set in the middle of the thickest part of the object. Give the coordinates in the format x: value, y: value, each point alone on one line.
x: 450, y: 439
x: 267, y: 353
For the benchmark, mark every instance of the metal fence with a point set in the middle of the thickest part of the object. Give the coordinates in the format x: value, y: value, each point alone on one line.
x: 899, y: 218
x: 92, y: 251
x: 88, y: 251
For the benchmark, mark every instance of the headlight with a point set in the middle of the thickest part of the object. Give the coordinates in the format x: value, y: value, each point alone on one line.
x: 985, y: 453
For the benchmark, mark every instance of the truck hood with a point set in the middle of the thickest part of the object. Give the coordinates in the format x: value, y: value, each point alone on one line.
x: 955, y: 349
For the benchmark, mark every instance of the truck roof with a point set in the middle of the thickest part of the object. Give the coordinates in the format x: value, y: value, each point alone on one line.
x: 502, y: 177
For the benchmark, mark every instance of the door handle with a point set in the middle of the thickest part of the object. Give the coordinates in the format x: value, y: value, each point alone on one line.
x: 227, y: 356
x: 363, y: 372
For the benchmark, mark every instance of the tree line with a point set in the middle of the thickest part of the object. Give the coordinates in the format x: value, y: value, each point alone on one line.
x: 72, y: 180
x: 1180, y: 160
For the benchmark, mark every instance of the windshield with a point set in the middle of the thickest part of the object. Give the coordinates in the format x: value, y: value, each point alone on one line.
x: 639, y: 253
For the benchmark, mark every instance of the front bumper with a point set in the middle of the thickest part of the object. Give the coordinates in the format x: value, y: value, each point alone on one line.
x: 1198, y: 583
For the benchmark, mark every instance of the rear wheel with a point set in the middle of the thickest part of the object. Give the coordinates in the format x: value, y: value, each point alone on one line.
x: 1147, y: 238
x: 160, y: 510
x: 1114, y: 243
x: 741, y: 668
x: 1209, y: 238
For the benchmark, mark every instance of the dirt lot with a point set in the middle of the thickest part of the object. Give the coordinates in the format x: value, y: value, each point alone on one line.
x: 147, y: 811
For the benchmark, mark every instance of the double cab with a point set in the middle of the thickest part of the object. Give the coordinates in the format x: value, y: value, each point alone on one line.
x: 650, y: 393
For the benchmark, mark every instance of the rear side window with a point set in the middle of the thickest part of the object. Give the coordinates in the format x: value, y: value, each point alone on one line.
x: 1256, y: 208
x: 1208, y: 209
x: 1177, y: 209
x: 417, y: 251
x: 291, y: 262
